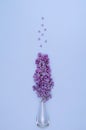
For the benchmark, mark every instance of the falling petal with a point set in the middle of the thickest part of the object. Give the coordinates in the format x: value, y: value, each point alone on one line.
x: 40, y: 45
x: 45, y: 29
x: 42, y: 34
x: 39, y: 39
x: 42, y: 18
x: 42, y: 25
x: 39, y: 31
x: 45, y: 41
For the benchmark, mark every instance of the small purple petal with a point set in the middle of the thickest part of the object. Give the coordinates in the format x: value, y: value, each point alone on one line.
x: 45, y: 29
x: 39, y: 39
x: 45, y: 41
x: 42, y: 34
x: 42, y: 18
x: 39, y: 31
x: 40, y: 45
x: 42, y: 25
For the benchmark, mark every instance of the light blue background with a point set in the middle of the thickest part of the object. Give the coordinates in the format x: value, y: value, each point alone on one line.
x: 66, y: 24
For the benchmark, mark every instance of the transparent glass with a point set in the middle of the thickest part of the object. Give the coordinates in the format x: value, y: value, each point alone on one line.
x: 42, y: 119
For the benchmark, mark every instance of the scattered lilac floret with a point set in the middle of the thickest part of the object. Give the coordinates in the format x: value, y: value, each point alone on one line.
x: 42, y: 18
x: 42, y: 25
x: 39, y: 31
x: 40, y: 45
x: 42, y: 77
x: 39, y: 39
x: 45, y: 29
x: 42, y: 34
x: 45, y: 41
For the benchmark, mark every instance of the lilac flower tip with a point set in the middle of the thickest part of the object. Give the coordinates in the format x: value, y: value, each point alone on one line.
x: 34, y: 88
x: 39, y: 54
x: 37, y: 60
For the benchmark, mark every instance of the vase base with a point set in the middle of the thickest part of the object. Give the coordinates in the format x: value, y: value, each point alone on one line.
x: 42, y: 125
x: 42, y: 119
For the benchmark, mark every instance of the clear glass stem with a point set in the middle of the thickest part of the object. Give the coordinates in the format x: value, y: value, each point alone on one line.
x: 42, y: 119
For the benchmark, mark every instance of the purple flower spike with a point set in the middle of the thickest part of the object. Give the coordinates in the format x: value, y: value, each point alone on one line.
x: 42, y: 77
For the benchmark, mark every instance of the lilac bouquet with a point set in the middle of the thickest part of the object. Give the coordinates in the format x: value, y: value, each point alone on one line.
x: 42, y: 77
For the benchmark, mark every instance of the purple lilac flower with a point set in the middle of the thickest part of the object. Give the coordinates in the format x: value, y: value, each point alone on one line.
x: 42, y: 77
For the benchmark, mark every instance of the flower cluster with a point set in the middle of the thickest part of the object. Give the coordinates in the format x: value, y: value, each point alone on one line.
x: 42, y: 77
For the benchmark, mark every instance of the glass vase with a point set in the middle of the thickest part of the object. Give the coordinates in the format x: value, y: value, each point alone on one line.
x: 42, y: 119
